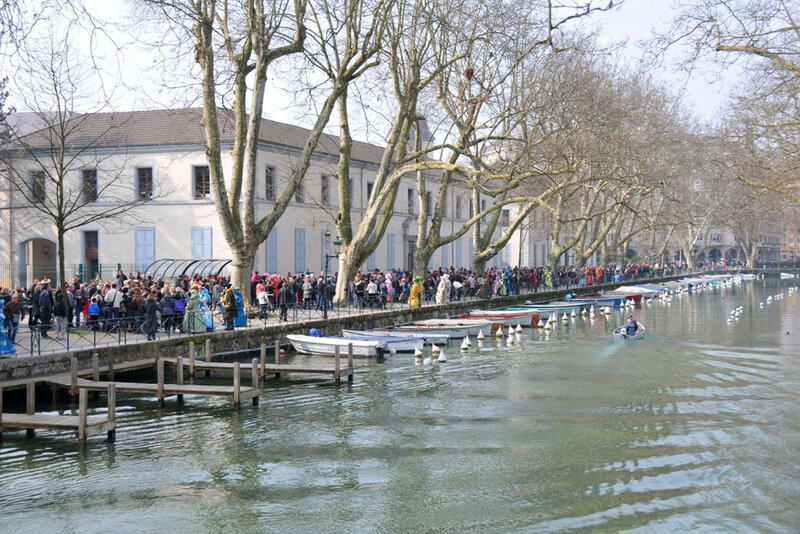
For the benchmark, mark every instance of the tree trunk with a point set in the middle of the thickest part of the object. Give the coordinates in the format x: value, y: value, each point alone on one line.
x: 350, y: 260
x: 242, y: 269
x: 62, y: 275
x: 422, y: 257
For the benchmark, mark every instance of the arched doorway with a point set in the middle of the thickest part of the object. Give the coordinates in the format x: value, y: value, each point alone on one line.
x: 714, y: 254
x: 37, y: 261
x: 731, y: 254
x: 630, y: 254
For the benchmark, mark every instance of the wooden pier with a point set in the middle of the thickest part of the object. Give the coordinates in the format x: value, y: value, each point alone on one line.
x: 82, y: 424
x: 263, y: 368
x: 161, y: 389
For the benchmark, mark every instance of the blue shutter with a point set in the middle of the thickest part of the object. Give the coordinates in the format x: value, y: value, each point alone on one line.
x: 272, y: 252
x: 445, y: 256
x: 371, y: 262
x: 299, y: 250
x: 390, y: 252
x: 145, y: 247
x: 458, y: 253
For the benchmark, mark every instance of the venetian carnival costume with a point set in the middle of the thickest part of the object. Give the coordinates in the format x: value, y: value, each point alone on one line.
x: 443, y: 291
x: 416, y: 293
x: 192, y: 319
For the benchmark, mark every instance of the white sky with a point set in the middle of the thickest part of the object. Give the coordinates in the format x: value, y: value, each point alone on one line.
x: 633, y: 22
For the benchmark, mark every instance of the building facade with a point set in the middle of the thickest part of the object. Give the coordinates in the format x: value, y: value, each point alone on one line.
x: 159, y: 156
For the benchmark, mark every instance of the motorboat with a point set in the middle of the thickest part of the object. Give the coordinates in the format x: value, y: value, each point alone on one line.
x: 473, y: 326
x: 428, y: 332
x: 621, y: 333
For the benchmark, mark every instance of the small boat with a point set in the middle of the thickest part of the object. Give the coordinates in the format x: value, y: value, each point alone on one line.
x: 645, y: 291
x: 615, y: 301
x: 620, y: 332
x: 428, y: 332
x: 395, y: 338
x: 635, y: 297
x: 546, y: 307
x: 473, y: 326
x: 787, y: 275
x: 524, y: 318
x: 326, y: 346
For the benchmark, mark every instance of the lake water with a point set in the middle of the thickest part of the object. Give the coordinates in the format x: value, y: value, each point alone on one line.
x: 694, y: 428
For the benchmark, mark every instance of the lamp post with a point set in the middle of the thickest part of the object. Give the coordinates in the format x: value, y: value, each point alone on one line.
x: 337, y: 242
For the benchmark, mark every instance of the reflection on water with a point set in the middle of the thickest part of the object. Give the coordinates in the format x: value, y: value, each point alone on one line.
x: 694, y: 428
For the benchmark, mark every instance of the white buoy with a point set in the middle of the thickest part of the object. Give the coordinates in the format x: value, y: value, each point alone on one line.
x: 591, y: 310
x: 499, y: 332
x: 480, y: 335
x: 540, y: 324
x: 435, y: 349
x: 468, y: 341
x: 464, y: 345
x: 519, y: 329
x: 392, y: 351
x: 547, y: 326
x: 442, y: 358
x: 418, y: 354
x: 730, y: 320
x: 427, y: 361
x: 565, y: 319
x: 510, y: 339
x: 573, y: 314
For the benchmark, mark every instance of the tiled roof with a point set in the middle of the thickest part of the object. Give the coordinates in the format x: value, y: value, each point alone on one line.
x: 171, y: 127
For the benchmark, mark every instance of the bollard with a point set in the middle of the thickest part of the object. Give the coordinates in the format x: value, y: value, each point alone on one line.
x: 160, y: 381
x: 179, y: 374
x: 255, y: 381
x: 83, y: 407
x: 236, y: 384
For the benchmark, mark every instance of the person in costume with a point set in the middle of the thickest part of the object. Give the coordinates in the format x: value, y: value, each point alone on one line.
x: 416, y: 293
x: 548, y: 277
x: 241, y: 318
x: 192, y: 318
x: 443, y: 290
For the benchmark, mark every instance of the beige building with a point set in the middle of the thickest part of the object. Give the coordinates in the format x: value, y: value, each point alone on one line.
x: 159, y: 156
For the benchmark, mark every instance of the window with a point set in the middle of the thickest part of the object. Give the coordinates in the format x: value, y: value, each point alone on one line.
x: 390, y: 252
x: 272, y: 251
x: 471, y: 210
x: 371, y: 262
x: 300, y: 195
x: 324, y: 190
x: 445, y: 256
x: 37, y: 186
x: 144, y: 183
x: 457, y: 214
x: 428, y: 203
x: 299, y: 250
x: 202, y: 182
x: 201, y: 242
x: 370, y: 187
x: 410, y: 200
x: 89, y: 186
x: 145, y: 248
x: 269, y: 183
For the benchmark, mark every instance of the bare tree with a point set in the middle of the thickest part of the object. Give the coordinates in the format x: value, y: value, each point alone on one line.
x: 71, y: 171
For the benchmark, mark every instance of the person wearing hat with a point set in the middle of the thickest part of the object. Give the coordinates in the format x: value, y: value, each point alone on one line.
x: 14, y: 312
x: 229, y: 308
x: 631, y: 326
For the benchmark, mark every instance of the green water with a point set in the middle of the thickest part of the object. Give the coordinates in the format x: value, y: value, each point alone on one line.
x: 694, y: 428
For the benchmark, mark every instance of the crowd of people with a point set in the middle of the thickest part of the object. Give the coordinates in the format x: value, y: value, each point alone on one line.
x: 139, y: 303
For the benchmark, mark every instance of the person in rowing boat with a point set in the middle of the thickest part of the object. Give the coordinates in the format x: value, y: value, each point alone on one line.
x: 631, y: 326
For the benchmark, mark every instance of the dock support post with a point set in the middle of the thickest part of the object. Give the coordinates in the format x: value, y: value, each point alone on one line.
x: 236, y: 384
x: 263, y: 372
x: 255, y: 381
x: 112, y: 410
x: 179, y: 374
x: 277, y: 354
x: 95, y: 367
x: 208, y: 355
x: 73, y: 367
x: 160, y: 380
x: 30, y: 404
x: 350, y: 369
x: 336, y: 364
x: 191, y: 358
x: 1, y: 412
x: 83, y: 406
x: 110, y: 365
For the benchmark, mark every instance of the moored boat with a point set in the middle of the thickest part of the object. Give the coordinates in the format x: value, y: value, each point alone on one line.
x: 428, y: 331
x: 440, y: 339
x: 524, y: 318
x: 326, y: 346
x: 473, y: 326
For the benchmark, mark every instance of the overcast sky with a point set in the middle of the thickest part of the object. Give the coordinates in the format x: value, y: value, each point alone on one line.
x: 633, y: 22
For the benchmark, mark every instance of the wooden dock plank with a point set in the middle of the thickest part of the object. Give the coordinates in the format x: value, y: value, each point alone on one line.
x: 168, y: 389
x: 269, y: 368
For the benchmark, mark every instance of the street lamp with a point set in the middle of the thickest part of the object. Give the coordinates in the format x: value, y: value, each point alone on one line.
x: 337, y: 242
